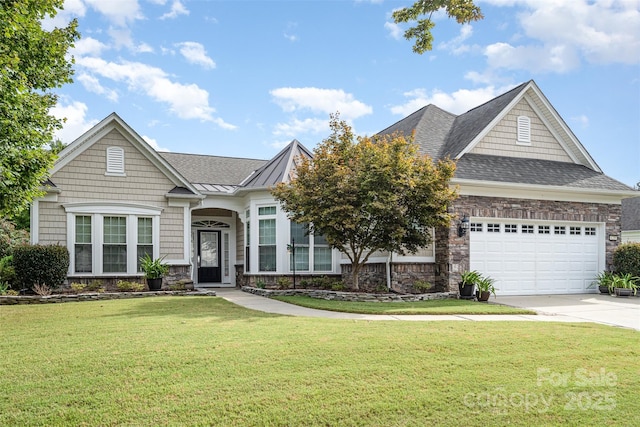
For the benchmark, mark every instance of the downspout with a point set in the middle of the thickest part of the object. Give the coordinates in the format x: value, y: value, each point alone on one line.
x: 388, y: 263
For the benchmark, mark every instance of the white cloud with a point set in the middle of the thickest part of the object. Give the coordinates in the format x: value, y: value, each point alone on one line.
x: 92, y: 84
x: 581, y: 120
x: 72, y: 9
x: 289, y: 33
x: 297, y: 127
x: 456, y: 45
x: 563, y: 34
x: 76, y: 123
x: 195, y: 53
x: 456, y: 102
x: 395, y: 31
x: 153, y: 143
x: 187, y: 101
x: 88, y: 46
x: 316, y: 100
x: 118, y: 12
x: 177, y: 9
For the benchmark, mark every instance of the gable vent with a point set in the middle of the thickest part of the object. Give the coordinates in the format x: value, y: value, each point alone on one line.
x: 115, y: 161
x: 524, y: 129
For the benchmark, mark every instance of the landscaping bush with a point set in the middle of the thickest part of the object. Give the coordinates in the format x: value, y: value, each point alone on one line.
x: 7, y: 272
x: 40, y: 265
x: 11, y: 237
x: 626, y: 259
x: 126, y: 286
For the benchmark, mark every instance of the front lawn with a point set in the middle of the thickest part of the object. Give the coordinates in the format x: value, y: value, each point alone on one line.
x: 442, y: 306
x: 204, y: 361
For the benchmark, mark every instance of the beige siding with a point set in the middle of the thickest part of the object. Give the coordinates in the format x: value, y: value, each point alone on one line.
x: 84, y: 180
x: 239, y: 241
x: 501, y: 140
x: 52, y: 224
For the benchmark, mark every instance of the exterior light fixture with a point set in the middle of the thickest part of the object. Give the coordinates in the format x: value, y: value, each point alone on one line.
x: 463, y: 226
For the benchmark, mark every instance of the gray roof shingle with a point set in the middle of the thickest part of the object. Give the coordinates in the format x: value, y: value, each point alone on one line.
x: 276, y: 170
x: 533, y: 171
x: 202, y: 169
x: 631, y: 214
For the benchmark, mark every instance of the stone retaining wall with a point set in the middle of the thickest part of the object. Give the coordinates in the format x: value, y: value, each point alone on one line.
x: 350, y: 296
x: 51, y: 299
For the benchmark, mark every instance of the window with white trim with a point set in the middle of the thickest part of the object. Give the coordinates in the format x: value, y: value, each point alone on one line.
x: 493, y: 228
x: 247, y: 241
x: 544, y: 229
x: 115, y: 161
x: 589, y: 231
x: 559, y: 229
x: 322, y: 254
x: 526, y: 229
x: 575, y: 231
x: 267, y: 238
x: 83, y: 248
x: 309, y: 246
x: 476, y: 226
x: 511, y: 228
x: 145, y: 239
x: 524, y: 130
x: 114, y: 248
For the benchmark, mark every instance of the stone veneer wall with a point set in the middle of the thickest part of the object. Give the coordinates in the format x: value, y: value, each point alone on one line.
x: 453, y: 257
x: 403, y: 276
x: 271, y: 280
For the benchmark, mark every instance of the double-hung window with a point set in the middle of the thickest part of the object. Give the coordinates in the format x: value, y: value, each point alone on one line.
x: 145, y: 239
x: 83, y: 253
x: 267, y: 238
x: 309, y: 247
x: 114, y: 249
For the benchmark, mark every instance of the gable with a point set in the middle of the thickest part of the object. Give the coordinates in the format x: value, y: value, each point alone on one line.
x: 502, y: 139
x: 86, y: 175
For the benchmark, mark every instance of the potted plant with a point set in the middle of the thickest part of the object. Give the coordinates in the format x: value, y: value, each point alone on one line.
x: 469, y: 281
x: 624, y: 285
x: 604, y: 281
x: 485, y: 288
x: 154, y: 271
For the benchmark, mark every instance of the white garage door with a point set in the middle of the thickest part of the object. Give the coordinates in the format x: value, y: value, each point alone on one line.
x: 528, y: 258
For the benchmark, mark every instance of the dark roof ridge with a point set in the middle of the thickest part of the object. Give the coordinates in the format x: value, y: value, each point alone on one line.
x: 210, y: 155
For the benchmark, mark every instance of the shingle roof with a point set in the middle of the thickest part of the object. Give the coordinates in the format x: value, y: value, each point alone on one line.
x: 278, y: 169
x: 533, y: 171
x: 202, y: 169
x: 631, y: 214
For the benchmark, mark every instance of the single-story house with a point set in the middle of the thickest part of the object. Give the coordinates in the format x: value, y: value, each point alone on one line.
x: 631, y: 220
x: 535, y: 211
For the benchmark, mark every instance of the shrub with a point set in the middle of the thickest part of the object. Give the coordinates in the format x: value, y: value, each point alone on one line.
x: 4, y: 287
x: 10, y: 237
x: 338, y: 287
x: 40, y: 265
x: 323, y: 282
x: 422, y: 286
x: 283, y: 283
x: 96, y: 285
x: 42, y: 290
x: 260, y: 284
x: 626, y: 259
x: 126, y: 286
x: 7, y: 272
x: 78, y: 287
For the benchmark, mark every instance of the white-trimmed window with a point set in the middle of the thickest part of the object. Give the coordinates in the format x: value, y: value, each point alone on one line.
x: 267, y: 238
x: 559, y: 229
x: 476, y: 226
x: 247, y: 241
x: 511, y: 228
x: 114, y: 248
x: 115, y: 161
x: 544, y: 229
x: 312, y: 252
x: 83, y: 247
x: 524, y: 130
x: 575, y: 231
x: 108, y: 238
x: 526, y: 229
x: 589, y: 231
x: 145, y: 239
x: 493, y: 228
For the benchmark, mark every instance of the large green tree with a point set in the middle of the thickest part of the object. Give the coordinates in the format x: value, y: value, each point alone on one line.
x: 368, y: 194
x: 33, y: 62
x: 421, y: 12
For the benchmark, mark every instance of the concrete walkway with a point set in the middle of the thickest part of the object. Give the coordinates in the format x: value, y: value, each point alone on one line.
x: 553, y: 308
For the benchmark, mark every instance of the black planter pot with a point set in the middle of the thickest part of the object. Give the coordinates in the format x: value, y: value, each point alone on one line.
x: 623, y: 292
x: 154, y: 284
x: 603, y: 289
x: 466, y: 292
x: 483, y: 296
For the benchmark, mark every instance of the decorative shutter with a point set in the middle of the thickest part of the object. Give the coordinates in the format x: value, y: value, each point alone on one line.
x: 115, y: 160
x: 524, y: 129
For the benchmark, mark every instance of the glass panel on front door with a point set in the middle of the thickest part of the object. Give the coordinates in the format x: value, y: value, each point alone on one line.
x: 209, y: 270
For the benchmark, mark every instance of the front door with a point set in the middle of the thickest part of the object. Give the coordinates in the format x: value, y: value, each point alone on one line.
x: 209, y: 257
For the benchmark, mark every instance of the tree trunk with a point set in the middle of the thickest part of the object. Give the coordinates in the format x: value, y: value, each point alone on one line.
x: 355, y: 275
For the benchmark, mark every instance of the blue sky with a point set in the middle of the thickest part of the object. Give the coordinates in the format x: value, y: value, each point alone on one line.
x: 244, y: 78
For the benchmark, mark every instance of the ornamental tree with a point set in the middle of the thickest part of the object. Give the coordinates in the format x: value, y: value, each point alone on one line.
x: 369, y: 194
x: 33, y: 61
x: 464, y: 11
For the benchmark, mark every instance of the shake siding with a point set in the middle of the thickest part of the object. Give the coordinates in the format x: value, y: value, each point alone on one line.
x: 501, y: 140
x: 239, y: 241
x: 53, y: 224
x: 84, y: 180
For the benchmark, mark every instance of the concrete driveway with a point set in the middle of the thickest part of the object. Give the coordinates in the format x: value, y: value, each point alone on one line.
x: 598, y: 308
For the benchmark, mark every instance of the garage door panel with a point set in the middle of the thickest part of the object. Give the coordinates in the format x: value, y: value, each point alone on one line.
x: 537, y: 263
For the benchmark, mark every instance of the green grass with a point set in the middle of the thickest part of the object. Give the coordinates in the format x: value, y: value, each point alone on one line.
x: 203, y: 361
x: 443, y: 306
